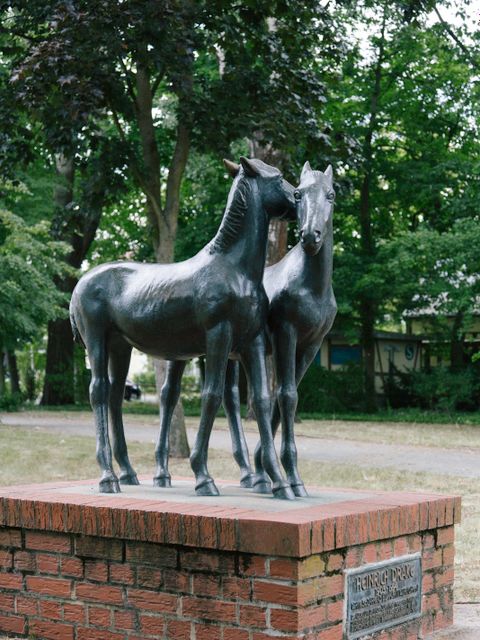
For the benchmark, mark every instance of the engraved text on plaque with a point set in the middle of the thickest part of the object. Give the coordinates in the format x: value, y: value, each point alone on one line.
x: 382, y: 595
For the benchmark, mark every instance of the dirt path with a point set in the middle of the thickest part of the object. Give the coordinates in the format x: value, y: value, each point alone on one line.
x: 462, y: 462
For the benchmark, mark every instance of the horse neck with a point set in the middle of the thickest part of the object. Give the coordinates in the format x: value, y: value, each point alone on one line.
x: 242, y: 237
x: 317, y: 270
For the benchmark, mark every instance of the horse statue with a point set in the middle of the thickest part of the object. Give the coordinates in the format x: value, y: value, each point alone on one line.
x: 301, y: 311
x: 213, y: 304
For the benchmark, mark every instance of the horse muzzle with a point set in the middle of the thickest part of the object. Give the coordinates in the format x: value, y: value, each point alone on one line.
x: 311, y: 241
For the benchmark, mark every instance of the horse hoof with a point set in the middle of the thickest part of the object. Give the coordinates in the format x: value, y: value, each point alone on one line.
x: 299, y: 490
x: 109, y: 485
x: 284, y: 492
x: 208, y: 488
x: 129, y: 479
x: 162, y: 481
x: 246, y: 480
x: 262, y: 487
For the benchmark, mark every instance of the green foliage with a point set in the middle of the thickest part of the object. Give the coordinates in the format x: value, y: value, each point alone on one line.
x: 29, y: 193
x: 204, y: 193
x: 411, y: 415
x: 65, y: 80
x: 29, y: 262
x: 146, y: 379
x: 11, y: 401
x: 301, y: 77
x: 434, y: 272
x: 440, y: 389
x: 336, y: 391
x: 420, y: 124
x: 123, y: 232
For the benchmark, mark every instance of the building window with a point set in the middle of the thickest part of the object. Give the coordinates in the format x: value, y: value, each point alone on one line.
x: 345, y: 354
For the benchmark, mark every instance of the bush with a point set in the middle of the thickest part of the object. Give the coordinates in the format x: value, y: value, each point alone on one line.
x: 439, y: 389
x: 11, y: 401
x: 146, y: 379
x: 322, y: 390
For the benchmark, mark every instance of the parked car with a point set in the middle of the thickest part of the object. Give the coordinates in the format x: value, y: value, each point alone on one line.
x: 132, y: 390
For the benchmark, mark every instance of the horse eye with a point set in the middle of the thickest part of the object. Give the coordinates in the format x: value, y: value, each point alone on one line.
x: 297, y: 195
x: 331, y: 196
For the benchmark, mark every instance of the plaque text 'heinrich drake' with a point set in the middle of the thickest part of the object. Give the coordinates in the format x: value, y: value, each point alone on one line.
x: 382, y: 595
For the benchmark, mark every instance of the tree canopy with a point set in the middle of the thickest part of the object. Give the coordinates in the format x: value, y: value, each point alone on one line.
x: 115, y: 118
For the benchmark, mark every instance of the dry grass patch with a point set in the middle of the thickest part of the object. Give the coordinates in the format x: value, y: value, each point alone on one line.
x: 449, y: 436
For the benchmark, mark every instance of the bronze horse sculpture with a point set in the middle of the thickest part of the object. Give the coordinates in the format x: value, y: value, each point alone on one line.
x: 213, y: 304
x: 301, y: 312
x: 302, y: 309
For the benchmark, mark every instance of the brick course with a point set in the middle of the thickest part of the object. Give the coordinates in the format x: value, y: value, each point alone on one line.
x: 77, y: 584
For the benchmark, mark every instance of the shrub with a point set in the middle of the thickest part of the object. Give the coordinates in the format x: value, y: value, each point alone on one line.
x: 439, y: 389
x: 146, y: 379
x: 11, y: 401
x: 322, y: 390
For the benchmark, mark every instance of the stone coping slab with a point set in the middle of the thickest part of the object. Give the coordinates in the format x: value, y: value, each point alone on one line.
x: 238, y: 520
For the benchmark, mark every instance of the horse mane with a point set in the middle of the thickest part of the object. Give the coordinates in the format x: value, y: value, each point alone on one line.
x: 233, y: 217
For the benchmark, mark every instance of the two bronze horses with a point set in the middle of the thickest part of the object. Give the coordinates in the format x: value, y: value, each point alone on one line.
x: 216, y: 305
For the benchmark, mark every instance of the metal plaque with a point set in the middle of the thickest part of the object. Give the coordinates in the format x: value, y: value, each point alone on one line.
x: 381, y: 595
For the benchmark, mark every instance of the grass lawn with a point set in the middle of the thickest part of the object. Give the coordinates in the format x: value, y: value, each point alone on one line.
x: 30, y: 456
x: 409, y: 415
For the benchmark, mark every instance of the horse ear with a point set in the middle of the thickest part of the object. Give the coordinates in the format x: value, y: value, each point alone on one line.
x: 249, y: 167
x: 306, y: 169
x: 232, y: 167
x: 328, y: 173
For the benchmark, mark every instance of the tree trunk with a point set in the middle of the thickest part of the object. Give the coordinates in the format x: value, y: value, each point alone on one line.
x: 2, y: 373
x: 179, y: 447
x: 367, y: 306
x: 30, y: 377
x: 13, y: 371
x: 77, y: 227
x: 58, y: 386
x: 457, y: 346
x: 368, y: 343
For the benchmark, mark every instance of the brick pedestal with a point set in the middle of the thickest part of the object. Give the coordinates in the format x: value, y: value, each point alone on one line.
x: 157, y: 563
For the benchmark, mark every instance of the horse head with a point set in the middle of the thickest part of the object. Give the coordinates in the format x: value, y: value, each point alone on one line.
x: 315, y: 197
x: 276, y: 194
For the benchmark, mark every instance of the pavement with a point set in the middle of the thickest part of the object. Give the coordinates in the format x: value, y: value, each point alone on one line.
x: 466, y: 624
x: 231, y: 495
x: 458, y: 462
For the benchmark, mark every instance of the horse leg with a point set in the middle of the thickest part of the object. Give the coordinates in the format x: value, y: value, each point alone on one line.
x: 97, y: 353
x: 119, y: 352
x: 254, y: 362
x: 168, y: 401
x: 231, y: 404
x: 285, y: 345
x: 219, y: 340
x: 303, y: 361
x: 261, y: 482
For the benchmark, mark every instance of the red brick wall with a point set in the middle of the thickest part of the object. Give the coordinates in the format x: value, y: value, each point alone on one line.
x: 69, y: 586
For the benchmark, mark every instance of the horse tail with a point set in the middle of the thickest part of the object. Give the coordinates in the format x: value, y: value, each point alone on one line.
x: 76, y: 333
